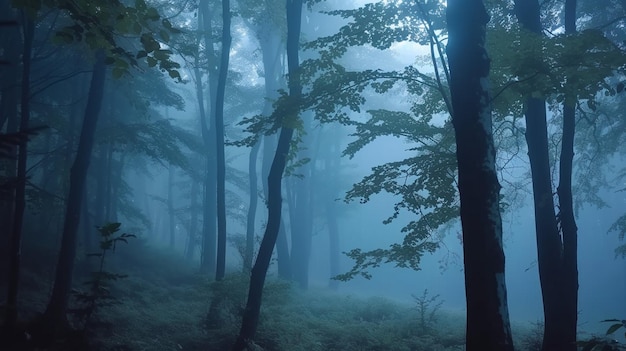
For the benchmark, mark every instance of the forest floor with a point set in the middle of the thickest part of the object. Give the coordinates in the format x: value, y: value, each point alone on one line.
x: 163, y: 305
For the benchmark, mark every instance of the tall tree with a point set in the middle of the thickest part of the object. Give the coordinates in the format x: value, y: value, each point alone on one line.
x: 558, y: 279
x: 20, y: 189
x: 288, y: 116
x: 488, y: 326
x: 219, y: 141
x: 207, y: 120
x: 569, y: 230
x: 54, y: 318
x: 268, y: 23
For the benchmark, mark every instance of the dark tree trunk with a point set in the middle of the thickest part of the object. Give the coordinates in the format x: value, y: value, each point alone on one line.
x: 272, y: 49
x: 559, y: 285
x: 9, y: 100
x: 11, y: 42
x: 282, y: 253
x: 20, y: 188
x: 252, y: 207
x: 569, y: 274
x: 55, y: 317
x: 193, y: 225
x: 488, y: 326
x: 219, y: 142
x: 171, y: 215
x: 259, y: 270
x: 209, y: 221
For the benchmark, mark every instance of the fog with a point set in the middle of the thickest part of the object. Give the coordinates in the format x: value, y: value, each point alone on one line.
x: 151, y: 169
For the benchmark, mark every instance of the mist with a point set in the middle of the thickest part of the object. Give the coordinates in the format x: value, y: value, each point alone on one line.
x: 271, y: 175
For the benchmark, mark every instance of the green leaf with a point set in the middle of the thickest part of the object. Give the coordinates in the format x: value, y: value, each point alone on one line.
x: 152, y: 14
x: 118, y: 72
x: 613, y: 328
x: 174, y: 74
x: 164, y: 35
x: 151, y: 61
x: 140, y: 5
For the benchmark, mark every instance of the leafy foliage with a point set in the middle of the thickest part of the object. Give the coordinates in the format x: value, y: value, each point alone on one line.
x: 620, y: 227
x: 158, y: 140
x: 98, y: 294
x: 425, y: 183
x: 528, y: 65
x: 102, y: 25
x: 606, y: 343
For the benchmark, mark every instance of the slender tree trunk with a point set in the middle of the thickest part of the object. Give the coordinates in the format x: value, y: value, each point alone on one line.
x: 193, y: 225
x: 559, y: 286
x: 20, y: 189
x: 488, y: 326
x: 250, y: 320
x: 209, y: 235
x: 9, y: 100
x: 9, y: 78
x: 170, y: 207
x: 282, y: 246
x: 55, y: 315
x: 252, y: 207
x: 569, y: 274
x: 219, y: 142
x: 272, y: 48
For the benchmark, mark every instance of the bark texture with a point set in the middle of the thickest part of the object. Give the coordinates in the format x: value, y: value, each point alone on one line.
x: 488, y: 326
x: 259, y: 270
x: 55, y: 314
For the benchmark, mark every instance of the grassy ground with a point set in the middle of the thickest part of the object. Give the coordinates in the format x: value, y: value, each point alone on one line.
x: 163, y: 305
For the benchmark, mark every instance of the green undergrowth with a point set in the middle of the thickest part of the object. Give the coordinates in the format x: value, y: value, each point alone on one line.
x: 164, y: 304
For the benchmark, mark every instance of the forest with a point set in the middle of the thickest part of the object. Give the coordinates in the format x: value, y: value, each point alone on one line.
x: 285, y: 175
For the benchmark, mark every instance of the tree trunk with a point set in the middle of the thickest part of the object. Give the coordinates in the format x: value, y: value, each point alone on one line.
x: 170, y: 207
x: 271, y: 49
x: 207, y: 120
x: 252, y: 207
x: 20, y: 189
x: 55, y: 317
x: 569, y: 273
x: 219, y: 142
x: 259, y: 270
x: 559, y: 288
x: 488, y: 326
x: 192, y: 241
x: 9, y: 100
